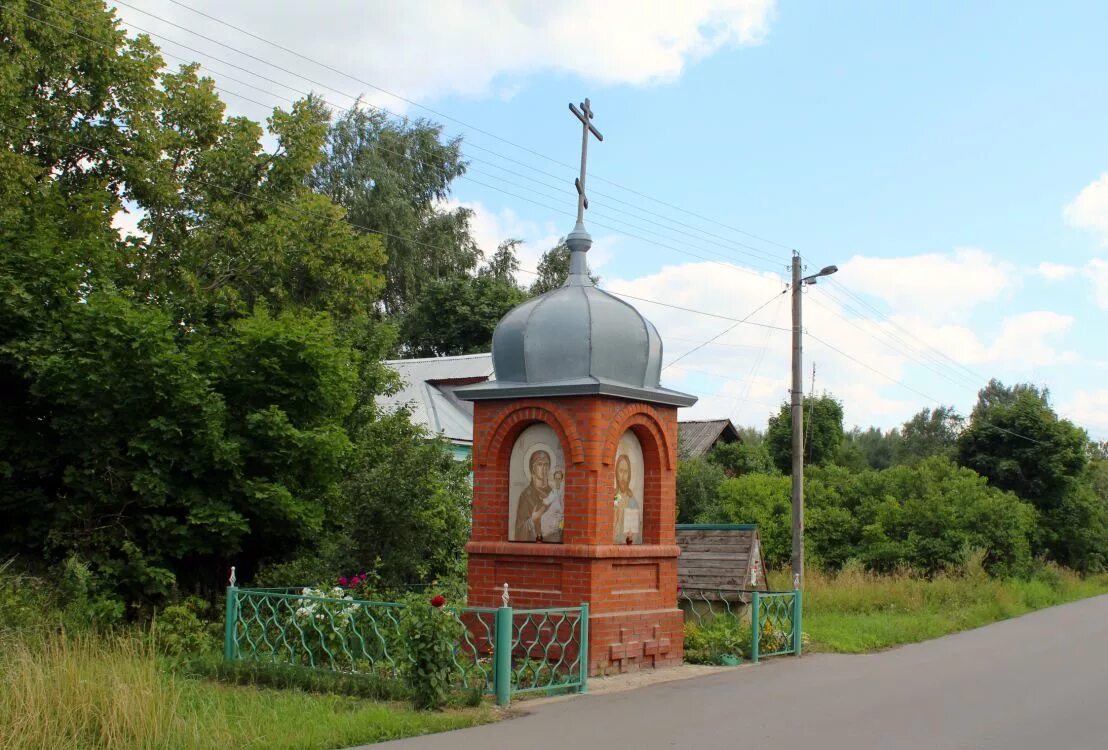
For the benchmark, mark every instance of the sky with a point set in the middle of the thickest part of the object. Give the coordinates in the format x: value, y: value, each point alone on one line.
x: 950, y: 158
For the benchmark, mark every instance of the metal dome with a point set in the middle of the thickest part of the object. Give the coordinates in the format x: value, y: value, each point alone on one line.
x: 576, y: 340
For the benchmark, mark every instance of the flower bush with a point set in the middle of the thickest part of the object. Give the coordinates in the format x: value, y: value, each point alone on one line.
x: 431, y: 634
x: 717, y: 641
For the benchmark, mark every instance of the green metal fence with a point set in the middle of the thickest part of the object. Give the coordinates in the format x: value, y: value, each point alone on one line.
x: 502, y: 650
x: 775, y: 622
x: 776, y: 618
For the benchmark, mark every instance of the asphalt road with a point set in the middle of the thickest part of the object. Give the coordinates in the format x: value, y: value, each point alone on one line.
x: 1039, y: 682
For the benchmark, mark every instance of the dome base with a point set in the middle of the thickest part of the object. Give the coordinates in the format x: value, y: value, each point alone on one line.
x: 498, y: 389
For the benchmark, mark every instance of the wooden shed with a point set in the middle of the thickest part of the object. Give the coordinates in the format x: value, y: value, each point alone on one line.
x: 717, y: 562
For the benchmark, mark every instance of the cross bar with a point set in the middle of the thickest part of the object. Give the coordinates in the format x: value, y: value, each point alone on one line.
x: 584, y: 115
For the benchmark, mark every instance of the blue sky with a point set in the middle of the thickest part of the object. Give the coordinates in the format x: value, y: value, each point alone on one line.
x: 939, y: 153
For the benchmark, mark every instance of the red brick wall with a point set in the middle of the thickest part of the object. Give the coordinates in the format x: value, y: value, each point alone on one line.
x: 631, y: 589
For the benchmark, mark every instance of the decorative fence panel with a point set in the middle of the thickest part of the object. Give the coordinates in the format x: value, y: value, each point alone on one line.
x: 501, y: 650
x: 775, y: 618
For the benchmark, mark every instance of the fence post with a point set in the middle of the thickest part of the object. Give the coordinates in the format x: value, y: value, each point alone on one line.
x: 798, y: 620
x: 583, y: 649
x: 230, y: 620
x: 755, y: 626
x: 502, y: 656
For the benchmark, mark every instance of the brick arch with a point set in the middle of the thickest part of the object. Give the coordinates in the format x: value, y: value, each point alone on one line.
x: 642, y: 419
x: 524, y: 414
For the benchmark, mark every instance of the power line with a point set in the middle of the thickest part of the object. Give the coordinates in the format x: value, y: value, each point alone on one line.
x: 339, y: 109
x: 761, y: 253
x: 954, y: 374
x: 906, y: 355
x: 730, y: 328
x: 441, y: 114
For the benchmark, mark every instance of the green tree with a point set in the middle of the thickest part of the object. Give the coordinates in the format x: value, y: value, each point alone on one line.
x: 698, y: 482
x: 763, y: 499
x: 1016, y: 441
x: 871, y: 448
x: 458, y: 315
x: 930, y: 432
x: 393, y: 179
x: 741, y: 458
x: 179, y: 398
x: 553, y: 270
x: 823, y: 432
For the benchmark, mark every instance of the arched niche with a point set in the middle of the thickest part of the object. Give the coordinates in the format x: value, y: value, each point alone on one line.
x: 536, y: 486
x: 628, y: 502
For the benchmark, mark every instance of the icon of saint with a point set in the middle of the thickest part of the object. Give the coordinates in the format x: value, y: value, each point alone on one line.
x: 529, y: 506
x: 628, y: 522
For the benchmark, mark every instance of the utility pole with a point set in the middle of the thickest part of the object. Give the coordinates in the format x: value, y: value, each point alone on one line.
x: 798, y: 427
x: 798, y: 285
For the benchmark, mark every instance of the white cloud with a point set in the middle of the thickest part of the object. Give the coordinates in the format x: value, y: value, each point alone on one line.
x: 1098, y: 274
x: 1055, y: 271
x: 1089, y: 210
x: 429, y: 49
x: 1089, y: 409
x: 745, y: 373
x: 946, y: 285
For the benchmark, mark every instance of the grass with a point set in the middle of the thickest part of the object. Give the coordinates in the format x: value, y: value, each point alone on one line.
x: 853, y: 611
x: 82, y: 691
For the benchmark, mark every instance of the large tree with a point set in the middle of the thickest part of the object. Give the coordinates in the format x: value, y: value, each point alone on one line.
x: 930, y: 432
x: 458, y: 315
x: 200, y: 392
x: 823, y: 432
x: 393, y: 178
x: 1016, y: 441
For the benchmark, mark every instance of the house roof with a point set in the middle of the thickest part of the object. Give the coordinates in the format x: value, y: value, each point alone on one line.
x: 696, y: 438
x: 427, y: 390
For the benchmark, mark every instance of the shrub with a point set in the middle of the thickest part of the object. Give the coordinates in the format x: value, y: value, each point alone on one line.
x: 179, y: 631
x: 430, y: 632
x: 720, y: 637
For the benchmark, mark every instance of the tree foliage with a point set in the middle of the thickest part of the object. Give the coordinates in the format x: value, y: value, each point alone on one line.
x: 927, y: 517
x: 930, y: 432
x: 458, y: 315
x: 198, y: 393
x: 393, y: 180
x: 823, y: 432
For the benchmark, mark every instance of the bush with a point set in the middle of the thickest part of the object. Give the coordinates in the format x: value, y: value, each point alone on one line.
x: 698, y: 482
x: 430, y: 632
x: 713, y: 642
x: 925, y: 517
x: 180, y: 632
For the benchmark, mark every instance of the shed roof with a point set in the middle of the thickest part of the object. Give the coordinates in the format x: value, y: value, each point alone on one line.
x: 696, y: 437
x: 427, y: 389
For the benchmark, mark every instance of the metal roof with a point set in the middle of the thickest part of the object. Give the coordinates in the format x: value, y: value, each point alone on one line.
x: 696, y: 437
x: 428, y: 387
x: 577, y: 340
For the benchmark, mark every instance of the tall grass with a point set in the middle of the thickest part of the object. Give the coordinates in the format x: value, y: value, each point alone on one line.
x: 853, y: 610
x: 61, y: 690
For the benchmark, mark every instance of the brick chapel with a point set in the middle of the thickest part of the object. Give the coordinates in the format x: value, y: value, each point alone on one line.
x: 574, y: 467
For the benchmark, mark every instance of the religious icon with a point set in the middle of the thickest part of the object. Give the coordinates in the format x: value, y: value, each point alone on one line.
x: 536, y: 506
x: 627, y: 502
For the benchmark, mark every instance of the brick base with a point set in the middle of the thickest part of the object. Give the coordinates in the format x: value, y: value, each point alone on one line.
x: 631, y: 589
x: 622, y: 642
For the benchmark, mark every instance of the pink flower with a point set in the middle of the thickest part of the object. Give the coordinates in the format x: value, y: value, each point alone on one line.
x: 343, y: 581
x: 438, y: 601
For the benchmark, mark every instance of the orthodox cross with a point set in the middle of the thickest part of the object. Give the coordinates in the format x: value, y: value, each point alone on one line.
x: 584, y: 114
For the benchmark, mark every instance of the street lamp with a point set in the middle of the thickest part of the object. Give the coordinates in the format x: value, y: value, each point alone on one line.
x: 798, y: 416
